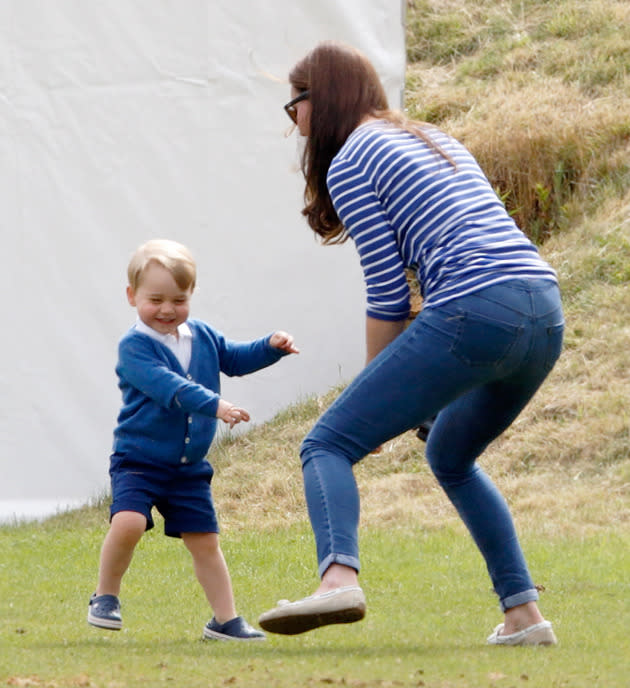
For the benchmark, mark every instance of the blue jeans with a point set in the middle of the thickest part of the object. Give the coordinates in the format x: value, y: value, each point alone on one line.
x: 475, y: 362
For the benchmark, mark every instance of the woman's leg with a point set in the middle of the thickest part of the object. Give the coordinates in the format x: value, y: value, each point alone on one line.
x: 505, y: 333
x: 461, y: 433
x: 381, y: 403
x: 409, y: 381
x: 501, y: 342
x: 452, y: 457
x: 332, y: 498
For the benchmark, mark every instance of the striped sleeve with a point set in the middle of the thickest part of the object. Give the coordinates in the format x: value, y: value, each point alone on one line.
x: 362, y: 215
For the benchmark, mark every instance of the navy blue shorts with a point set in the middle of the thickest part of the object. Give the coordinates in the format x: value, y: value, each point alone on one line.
x: 181, y: 493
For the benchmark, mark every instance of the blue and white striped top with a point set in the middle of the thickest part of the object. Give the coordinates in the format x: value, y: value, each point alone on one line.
x: 404, y: 205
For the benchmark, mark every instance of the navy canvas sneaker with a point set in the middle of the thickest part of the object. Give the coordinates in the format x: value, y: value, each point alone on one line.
x: 104, y: 612
x: 235, y: 629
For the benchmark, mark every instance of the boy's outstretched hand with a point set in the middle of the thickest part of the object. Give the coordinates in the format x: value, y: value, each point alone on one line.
x: 284, y: 342
x: 231, y: 414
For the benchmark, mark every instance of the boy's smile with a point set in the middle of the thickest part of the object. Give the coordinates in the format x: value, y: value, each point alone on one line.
x: 160, y: 302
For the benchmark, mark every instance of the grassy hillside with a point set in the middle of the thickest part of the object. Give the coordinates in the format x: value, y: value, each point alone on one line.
x: 540, y: 92
x: 537, y: 90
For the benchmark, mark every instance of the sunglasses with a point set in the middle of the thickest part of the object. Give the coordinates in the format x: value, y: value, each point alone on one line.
x: 289, y: 108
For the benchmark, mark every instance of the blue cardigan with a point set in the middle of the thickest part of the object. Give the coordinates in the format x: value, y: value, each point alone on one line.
x: 169, y: 415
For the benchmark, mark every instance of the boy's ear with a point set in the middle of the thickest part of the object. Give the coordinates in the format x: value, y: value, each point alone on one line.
x: 131, y: 296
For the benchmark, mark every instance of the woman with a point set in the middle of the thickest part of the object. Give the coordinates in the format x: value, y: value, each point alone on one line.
x: 490, y: 330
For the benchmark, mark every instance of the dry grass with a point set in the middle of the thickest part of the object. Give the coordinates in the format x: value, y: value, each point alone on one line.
x: 540, y: 93
x: 544, y: 146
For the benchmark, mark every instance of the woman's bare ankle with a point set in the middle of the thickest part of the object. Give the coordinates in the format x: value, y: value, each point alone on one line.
x: 337, y: 576
x: 521, y: 617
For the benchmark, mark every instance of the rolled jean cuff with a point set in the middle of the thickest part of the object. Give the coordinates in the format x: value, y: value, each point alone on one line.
x: 520, y: 598
x: 344, y: 559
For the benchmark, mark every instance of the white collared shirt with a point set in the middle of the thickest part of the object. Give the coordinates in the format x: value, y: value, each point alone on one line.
x: 181, y: 346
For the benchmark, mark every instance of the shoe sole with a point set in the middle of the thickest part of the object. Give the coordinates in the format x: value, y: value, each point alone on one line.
x: 107, y: 624
x: 288, y: 620
x: 293, y: 625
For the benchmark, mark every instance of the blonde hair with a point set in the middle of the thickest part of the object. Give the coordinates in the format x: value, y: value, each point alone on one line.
x: 174, y: 257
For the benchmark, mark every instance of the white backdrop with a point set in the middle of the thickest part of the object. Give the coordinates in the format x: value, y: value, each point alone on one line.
x: 136, y: 119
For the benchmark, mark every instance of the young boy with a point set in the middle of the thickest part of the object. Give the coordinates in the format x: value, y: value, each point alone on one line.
x: 168, y: 370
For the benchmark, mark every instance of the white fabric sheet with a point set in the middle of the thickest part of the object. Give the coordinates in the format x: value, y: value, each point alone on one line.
x: 135, y: 119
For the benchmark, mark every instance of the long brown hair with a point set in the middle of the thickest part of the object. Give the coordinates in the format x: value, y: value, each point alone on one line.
x: 344, y: 88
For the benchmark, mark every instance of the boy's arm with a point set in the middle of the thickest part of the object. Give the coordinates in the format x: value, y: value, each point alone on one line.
x: 241, y: 358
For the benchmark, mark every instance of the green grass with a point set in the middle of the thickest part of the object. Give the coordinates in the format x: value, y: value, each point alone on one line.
x: 430, y: 608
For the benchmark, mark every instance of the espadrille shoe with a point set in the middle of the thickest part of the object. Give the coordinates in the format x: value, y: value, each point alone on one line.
x: 538, y: 634
x: 341, y: 605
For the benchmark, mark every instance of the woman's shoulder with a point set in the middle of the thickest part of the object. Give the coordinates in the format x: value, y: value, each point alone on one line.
x: 370, y: 130
x: 362, y: 144
x: 378, y: 135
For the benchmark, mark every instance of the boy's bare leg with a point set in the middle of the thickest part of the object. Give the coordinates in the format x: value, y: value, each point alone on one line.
x: 212, y: 573
x: 125, y: 531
